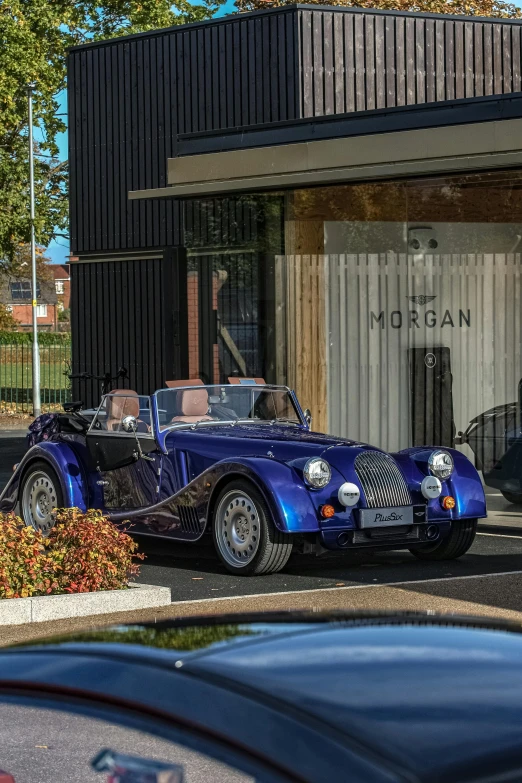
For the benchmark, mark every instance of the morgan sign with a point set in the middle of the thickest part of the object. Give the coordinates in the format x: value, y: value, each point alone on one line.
x: 413, y: 318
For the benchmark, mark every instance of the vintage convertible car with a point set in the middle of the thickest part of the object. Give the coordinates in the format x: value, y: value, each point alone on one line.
x: 239, y: 462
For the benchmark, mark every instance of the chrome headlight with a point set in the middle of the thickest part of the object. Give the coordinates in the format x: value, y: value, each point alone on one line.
x: 317, y: 472
x: 440, y: 464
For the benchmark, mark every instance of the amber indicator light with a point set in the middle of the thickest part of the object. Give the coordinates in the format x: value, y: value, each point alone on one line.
x: 448, y: 502
x: 327, y: 511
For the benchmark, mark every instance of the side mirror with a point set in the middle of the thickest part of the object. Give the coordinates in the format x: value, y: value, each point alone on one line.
x: 308, y: 417
x: 129, y: 424
x: 131, y: 769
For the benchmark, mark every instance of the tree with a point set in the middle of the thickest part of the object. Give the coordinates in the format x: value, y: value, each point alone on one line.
x: 34, y: 38
x: 7, y: 322
x: 20, y: 263
x: 496, y: 8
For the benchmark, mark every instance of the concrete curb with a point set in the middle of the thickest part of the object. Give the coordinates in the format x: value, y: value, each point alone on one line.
x: 19, y: 611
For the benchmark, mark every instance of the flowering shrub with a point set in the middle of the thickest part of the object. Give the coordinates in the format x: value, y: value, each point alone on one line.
x: 90, y: 553
x: 84, y: 552
x: 25, y: 569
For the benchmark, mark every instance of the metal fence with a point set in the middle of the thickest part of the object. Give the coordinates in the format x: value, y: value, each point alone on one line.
x: 16, y: 373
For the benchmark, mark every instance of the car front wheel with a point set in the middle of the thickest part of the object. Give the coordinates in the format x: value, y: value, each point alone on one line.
x: 456, y: 544
x: 513, y: 497
x: 40, y: 496
x: 246, y: 540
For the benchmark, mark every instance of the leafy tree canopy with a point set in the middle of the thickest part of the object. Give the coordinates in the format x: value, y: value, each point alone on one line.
x: 197, y: 637
x: 34, y: 38
x: 497, y: 8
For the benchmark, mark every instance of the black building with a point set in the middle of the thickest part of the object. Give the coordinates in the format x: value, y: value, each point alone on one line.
x: 324, y: 197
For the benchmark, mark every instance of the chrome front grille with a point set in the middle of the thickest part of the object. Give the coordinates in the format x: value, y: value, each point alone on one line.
x: 381, y: 480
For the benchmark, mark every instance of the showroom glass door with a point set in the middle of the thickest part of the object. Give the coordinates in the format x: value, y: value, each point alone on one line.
x: 231, y: 287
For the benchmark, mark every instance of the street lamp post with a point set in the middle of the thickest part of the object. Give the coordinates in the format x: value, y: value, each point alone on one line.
x: 36, y: 352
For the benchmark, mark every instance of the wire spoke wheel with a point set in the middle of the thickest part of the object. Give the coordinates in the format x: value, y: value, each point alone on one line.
x: 40, y: 499
x: 237, y: 528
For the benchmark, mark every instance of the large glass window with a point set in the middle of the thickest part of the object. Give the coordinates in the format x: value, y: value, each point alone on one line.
x: 393, y: 308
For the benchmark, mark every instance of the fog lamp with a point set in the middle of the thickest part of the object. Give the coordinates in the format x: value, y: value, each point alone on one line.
x: 448, y: 502
x: 327, y: 511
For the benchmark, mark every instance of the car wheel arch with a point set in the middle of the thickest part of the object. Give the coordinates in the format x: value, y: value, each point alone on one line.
x: 228, y: 479
x: 26, y: 468
x: 42, y: 455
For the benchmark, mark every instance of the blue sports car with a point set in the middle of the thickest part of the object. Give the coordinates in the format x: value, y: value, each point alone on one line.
x: 239, y: 462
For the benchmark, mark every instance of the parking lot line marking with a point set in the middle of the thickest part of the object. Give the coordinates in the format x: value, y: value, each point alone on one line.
x: 501, y: 535
x: 342, y: 589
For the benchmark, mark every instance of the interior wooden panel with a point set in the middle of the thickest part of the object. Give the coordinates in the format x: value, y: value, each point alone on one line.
x: 302, y: 278
x: 462, y: 199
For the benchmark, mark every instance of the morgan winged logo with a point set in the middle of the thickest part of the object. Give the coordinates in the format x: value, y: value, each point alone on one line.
x: 422, y: 299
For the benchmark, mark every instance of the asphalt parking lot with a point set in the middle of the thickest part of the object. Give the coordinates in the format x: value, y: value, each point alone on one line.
x: 488, y: 580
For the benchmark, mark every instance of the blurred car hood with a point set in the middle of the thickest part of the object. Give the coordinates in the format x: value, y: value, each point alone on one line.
x: 438, y: 694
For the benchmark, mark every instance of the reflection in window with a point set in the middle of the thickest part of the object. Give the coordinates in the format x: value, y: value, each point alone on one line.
x: 45, y: 746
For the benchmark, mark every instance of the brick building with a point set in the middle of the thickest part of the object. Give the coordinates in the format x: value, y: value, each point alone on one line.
x: 15, y: 294
x: 62, y: 284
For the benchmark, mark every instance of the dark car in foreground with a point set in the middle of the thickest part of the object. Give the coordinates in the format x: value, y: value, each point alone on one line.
x: 239, y: 464
x: 289, y: 697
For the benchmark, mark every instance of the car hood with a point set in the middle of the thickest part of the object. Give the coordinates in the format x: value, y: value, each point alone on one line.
x: 286, y: 443
x: 438, y: 694
x: 266, y: 432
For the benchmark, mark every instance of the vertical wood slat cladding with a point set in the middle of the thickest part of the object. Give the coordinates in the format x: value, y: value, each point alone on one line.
x: 127, y: 313
x: 130, y: 99
x: 387, y: 60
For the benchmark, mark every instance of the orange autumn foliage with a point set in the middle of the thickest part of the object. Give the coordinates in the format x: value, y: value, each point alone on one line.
x: 84, y: 552
x: 495, y: 8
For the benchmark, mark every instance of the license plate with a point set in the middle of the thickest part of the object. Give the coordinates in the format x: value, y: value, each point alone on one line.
x: 385, y: 517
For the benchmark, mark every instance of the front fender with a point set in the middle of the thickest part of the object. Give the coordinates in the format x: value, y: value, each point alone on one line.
x: 464, y: 484
x: 67, y: 467
x: 288, y: 499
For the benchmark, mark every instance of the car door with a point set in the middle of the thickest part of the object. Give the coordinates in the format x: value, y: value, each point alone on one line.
x: 124, y: 452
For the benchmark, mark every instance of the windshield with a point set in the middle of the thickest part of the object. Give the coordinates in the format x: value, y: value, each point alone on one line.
x: 207, y: 405
x: 115, y: 407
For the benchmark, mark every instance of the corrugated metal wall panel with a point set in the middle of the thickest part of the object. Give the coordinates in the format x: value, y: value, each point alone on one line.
x: 353, y: 61
x: 128, y: 100
x: 126, y: 313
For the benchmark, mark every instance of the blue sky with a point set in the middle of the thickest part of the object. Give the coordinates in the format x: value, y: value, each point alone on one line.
x: 59, y: 249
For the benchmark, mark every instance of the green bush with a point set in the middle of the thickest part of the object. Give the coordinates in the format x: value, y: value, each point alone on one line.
x: 26, y: 338
x: 84, y: 552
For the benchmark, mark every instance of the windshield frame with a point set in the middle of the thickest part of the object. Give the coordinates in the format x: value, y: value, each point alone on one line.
x: 153, y: 428
x: 252, y: 387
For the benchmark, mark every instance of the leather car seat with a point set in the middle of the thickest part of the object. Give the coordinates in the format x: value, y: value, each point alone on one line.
x: 193, y: 404
x: 121, y: 403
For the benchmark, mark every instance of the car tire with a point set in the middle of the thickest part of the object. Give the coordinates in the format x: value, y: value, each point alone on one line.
x: 40, y: 495
x: 245, y: 537
x: 454, y: 545
x: 512, y: 497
